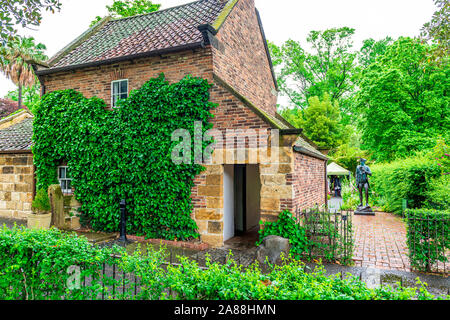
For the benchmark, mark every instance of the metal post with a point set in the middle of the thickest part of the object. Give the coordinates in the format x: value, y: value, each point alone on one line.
x: 123, y: 221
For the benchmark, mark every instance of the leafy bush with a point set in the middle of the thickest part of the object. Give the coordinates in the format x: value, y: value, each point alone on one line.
x: 438, y: 194
x: 408, y: 178
x: 289, y: 281
x: 318, y: 234
x: 34, y: 264
x: 441, y: 155
x: 41, y: 201
x: 428, y: 237
x: 125, y: 153
x: 330, y: 235
x: 287, y: 227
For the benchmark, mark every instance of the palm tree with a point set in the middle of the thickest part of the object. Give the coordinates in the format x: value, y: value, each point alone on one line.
x: 16, y: 60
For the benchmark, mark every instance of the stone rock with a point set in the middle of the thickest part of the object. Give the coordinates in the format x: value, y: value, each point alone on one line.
x: 272, y: 248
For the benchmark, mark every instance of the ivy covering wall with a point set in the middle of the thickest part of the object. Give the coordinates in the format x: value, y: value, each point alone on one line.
x: 125, y: 153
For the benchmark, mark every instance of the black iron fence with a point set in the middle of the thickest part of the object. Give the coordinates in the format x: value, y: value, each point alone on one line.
x: 330, y: 234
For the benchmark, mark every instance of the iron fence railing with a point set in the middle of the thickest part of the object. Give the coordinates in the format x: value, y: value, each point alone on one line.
x: 330, y: 234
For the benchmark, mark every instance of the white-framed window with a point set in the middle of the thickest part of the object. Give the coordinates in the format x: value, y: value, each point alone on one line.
x: 119, y: 90
x: 65, y: 179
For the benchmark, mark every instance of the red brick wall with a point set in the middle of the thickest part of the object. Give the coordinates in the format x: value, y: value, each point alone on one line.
x: 231, y: 113
x: 243, y: 63
x: 97, y: 81
x: 309, y: 182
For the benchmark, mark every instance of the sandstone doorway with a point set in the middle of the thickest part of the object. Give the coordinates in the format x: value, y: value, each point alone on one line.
x: 242, y: 200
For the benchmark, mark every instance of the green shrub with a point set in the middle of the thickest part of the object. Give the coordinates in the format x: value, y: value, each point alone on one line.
x: 287, y: 227
x: 438, y: 194
x: 126, y: 153
x: 408, y: 178
x: 34, y: 264
x: 318, y: 234
x: 289, y: 281
x: 428, y: 237
x: 41, y: 201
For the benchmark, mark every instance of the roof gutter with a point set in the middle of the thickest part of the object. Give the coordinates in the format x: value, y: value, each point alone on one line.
x: 309, y: 153
x: 191, y: 46
x: 16, y: 151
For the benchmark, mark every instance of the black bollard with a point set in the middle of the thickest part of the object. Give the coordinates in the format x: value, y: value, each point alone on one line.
x: 123, y: 221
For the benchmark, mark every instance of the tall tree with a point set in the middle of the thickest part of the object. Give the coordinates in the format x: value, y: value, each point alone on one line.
x: 403, y: 101
x: 327, y: 69
x: 18, y: 57
x: 24, y: 13
x: 371, y: 49
x: 128, y: 8
x: 321, y: 122
x: 438, y: 29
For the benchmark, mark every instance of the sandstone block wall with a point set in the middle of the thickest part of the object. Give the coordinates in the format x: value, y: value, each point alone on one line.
x: 16, y: 185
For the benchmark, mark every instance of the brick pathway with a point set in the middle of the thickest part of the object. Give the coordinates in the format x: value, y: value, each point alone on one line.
x: 380, y: 242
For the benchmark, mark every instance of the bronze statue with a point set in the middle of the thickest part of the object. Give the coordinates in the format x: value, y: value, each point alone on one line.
x: 362, y: 182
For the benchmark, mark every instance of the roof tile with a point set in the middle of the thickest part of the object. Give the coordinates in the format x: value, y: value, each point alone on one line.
x: 165, y: 29
x: 17, y: 137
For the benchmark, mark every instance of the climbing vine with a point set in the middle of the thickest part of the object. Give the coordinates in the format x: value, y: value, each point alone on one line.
x: 125, y: 153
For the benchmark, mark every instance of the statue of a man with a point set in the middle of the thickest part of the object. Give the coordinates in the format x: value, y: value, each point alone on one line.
x: 362, y: 182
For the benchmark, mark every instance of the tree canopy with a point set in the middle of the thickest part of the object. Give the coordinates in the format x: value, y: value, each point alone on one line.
x: 128, y: 8
x: 403, y: 101
x: 327, y: 69
x: 16, y: 61
x: 438, y: 29
x: 321, y: 122
x: 23, y: 13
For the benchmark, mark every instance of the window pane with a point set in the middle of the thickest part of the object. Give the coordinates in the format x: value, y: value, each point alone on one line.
x: 62, y: 173
x: 123, y: 86
x: 114, y: 100
x: 63, y: 185
x: 123, y: 96
x: 116, y: 87
x: 69, y: 185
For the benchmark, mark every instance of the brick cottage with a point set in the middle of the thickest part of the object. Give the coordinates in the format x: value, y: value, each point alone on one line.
x: 223, y: 42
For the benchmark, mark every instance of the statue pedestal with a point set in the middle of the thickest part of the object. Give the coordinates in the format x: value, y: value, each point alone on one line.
x: 364, y: 211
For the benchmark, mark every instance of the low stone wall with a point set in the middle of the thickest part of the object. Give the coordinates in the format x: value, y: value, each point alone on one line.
x: 16, y: 184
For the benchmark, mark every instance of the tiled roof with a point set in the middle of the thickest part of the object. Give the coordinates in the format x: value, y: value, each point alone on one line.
x: 302, y: 142
x: 7, y: 107
x: 17, y: 137
x: 164, y: 29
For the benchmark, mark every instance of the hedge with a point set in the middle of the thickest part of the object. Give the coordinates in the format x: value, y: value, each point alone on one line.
x: 34, y: 265
x: 409, y: 178
x: 428, y: 237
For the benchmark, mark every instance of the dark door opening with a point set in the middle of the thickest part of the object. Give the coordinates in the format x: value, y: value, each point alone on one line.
x: 247, y: 189
x: 240, y: 200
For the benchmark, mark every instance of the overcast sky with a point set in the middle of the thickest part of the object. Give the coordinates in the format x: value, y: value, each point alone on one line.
x: 282, y: 19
